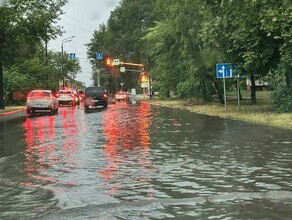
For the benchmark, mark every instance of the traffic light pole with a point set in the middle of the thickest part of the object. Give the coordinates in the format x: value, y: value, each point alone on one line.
x: 143, y: 74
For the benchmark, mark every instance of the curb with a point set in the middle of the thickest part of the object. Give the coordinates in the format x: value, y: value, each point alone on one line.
x: 11, y: 112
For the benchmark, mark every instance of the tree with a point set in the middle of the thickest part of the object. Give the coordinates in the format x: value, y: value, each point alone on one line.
x: 121, y: 38
x: 25, y: 25
x: 177, y: 50
x: 236, y: 29
x: 64, y: 68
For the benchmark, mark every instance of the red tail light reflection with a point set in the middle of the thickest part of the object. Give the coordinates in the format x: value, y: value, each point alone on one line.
x: 124, y: 135
x: 41, y: 154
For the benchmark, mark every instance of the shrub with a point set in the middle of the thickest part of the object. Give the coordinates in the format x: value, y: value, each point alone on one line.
x: 282, y: 99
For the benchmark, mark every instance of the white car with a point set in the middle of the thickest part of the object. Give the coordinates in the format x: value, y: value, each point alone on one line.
x: 122, y: 96
x: 66, y: 97
x: 41, y: 101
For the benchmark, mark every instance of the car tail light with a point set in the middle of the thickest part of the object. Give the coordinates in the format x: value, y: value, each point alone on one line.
x: 105, y: 96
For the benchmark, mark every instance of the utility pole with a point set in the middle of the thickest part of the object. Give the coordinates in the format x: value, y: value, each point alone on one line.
x: 68, y: 39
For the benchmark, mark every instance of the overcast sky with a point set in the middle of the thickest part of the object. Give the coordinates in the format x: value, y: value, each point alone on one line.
x: 81, y: 18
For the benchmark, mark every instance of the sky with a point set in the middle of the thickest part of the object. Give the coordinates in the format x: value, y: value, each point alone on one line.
x: 81, y: 19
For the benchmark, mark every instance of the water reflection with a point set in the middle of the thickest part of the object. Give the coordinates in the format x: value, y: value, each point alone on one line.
x: 44, y: 139
x: 127, y: 148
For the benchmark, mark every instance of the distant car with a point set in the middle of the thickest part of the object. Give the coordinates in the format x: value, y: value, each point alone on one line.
x: 66, y: 97
x: 77, y: 100
x: 95, y: 97
x: 122, y: 96
x: 81, y: 95
x: 41, y: 101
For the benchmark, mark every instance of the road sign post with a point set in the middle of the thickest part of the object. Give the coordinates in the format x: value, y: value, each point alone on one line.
x: 227, y: 70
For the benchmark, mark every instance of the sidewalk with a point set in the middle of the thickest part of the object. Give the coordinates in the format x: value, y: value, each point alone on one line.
x: 11, y: 109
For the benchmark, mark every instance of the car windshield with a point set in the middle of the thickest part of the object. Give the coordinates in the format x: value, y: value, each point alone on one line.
x: 94, y: 90
x: 40, y: 94
x: 67, y: 92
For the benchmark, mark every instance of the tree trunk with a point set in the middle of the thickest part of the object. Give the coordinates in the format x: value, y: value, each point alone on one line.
x: 288, y: 76
x: 204, y: 90
x: 253, y: 89
x: 216, y: 87
x: 220, y: 96
x: 2, y: 106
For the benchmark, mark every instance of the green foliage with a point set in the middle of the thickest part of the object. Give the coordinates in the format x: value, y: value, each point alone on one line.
x: 121, y: 38
x: 282, y: 99
x: 25, y: 28
x: 188, y: 89
x: 17, y: 84
x: 25, y: 25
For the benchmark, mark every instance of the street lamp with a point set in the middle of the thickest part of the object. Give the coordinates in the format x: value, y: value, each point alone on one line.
x: 68, y: 39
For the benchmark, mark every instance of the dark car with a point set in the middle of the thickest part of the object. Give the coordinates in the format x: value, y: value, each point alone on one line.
x: 95, y: 97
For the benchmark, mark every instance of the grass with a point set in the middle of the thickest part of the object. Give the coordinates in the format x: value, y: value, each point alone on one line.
x: 261, y: 113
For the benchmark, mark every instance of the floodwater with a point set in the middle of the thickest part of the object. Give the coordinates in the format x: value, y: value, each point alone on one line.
x: 142, y: 161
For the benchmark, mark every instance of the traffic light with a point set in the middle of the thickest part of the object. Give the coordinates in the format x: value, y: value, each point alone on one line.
x: 108, y: 61
x: 143, y: 77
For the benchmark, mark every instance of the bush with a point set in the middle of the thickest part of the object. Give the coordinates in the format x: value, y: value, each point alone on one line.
x: 16, y: 86
x: 282, y: 99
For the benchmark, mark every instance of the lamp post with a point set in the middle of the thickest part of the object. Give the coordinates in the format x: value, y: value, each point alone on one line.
x: 68, y: 39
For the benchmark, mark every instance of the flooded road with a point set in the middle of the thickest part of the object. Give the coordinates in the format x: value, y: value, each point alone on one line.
x: 141, y: 161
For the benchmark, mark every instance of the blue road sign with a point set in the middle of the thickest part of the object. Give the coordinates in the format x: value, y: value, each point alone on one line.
x: 98, y: 56
x: 223, y: 70
x: 72, y: 55
x: 226, y: 70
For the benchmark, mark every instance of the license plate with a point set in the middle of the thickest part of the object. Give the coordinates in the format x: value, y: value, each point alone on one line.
x: 39, y: 105
x: 94, y: 100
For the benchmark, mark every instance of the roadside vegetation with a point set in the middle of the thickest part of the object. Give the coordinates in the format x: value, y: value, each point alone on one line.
x: 264, y: 112
x: 180, y: 43
x: 26, y: 27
